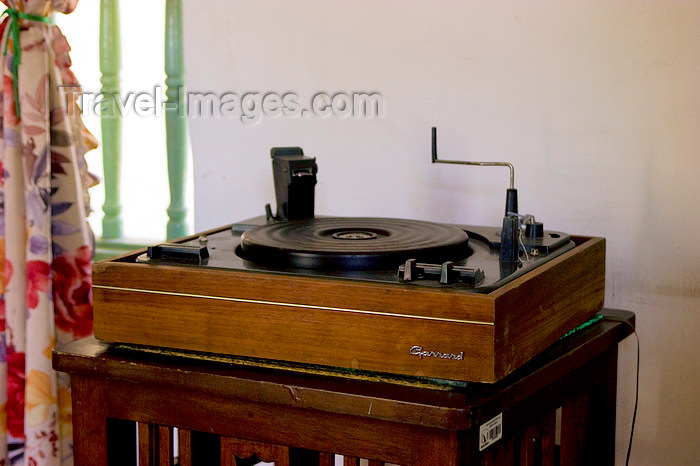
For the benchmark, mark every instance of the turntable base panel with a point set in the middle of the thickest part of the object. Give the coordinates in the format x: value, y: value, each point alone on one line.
x: 388, y: 328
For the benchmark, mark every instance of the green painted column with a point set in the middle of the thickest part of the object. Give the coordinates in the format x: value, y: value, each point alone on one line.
x: 110, y: 64
x: 175, y: 118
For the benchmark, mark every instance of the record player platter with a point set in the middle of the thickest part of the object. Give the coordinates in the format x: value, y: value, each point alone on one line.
x: 349, y: 243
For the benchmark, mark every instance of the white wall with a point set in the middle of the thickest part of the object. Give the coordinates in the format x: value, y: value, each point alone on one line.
x: 596, y: 102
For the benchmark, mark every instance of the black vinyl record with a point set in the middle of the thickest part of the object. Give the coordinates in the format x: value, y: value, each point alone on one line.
x: 352, y: 243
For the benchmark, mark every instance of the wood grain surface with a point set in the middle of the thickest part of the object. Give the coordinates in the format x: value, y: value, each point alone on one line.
x: 350, y: 324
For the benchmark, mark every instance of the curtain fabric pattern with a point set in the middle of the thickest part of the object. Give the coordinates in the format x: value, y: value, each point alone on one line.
x: 45, y: 242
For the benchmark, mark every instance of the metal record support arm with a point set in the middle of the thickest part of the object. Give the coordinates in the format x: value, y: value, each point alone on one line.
x: 511, y: 193
x: 510, y: 234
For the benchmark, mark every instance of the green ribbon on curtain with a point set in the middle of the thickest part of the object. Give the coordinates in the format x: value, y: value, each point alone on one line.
x: 14, y: 26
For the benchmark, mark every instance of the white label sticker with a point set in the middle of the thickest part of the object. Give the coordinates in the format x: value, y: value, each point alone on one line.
x: 490, y: 432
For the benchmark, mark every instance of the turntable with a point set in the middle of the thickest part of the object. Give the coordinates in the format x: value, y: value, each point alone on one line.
x: 393, y: 296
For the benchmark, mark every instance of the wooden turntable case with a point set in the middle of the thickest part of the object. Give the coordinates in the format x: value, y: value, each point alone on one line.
x: 349, y: 324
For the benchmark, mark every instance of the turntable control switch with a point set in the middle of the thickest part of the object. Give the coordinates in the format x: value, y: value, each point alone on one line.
x: 446, y: 273
x: 409, y: 271
x: 447, y: 276
x: 178, y: 253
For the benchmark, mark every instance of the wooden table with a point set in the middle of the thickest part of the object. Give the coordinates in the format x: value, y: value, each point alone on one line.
x: 557, y: 409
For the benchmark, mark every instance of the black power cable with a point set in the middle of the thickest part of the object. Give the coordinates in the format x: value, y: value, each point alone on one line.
x: 636, y: 390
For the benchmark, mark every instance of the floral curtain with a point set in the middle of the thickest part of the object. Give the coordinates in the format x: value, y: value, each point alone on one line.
x: 45, y: 243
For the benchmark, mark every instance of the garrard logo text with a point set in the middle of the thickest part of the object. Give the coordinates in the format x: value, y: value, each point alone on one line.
x: 421, y: 353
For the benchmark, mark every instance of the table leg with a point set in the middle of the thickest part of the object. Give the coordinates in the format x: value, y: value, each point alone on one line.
x: 89, y: 421
x: 602, y: 405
